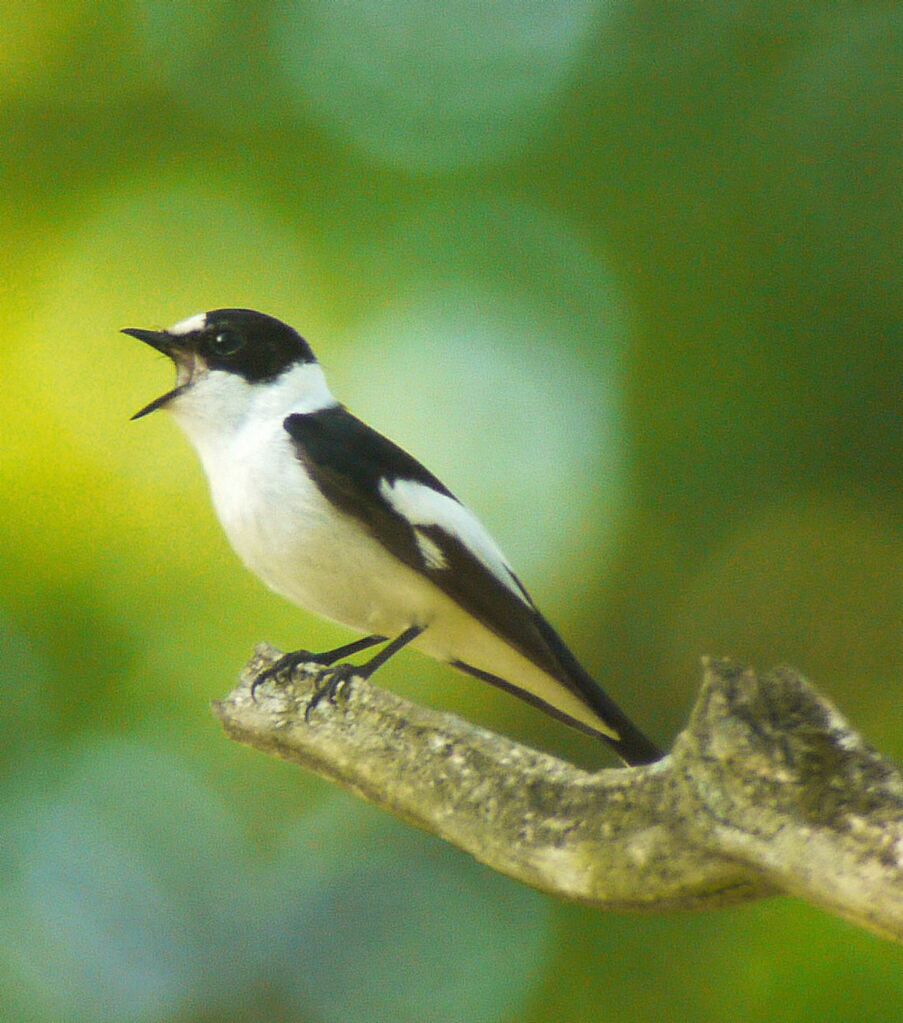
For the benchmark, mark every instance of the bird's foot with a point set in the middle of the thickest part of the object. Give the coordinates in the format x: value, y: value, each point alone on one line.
x: 332, y: 684
x: 281, y: 671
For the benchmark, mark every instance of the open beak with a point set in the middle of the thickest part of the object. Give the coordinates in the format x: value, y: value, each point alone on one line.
x: 168, y: 345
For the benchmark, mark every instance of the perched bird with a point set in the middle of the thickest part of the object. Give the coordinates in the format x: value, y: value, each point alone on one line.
x: 341, y: 521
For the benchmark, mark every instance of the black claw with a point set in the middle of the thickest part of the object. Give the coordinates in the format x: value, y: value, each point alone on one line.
x: 329, y: 685
x: 282, y: 669
x: 333, y: 678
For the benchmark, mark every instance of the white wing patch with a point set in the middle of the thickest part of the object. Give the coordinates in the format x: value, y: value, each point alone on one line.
x: 430, y: 551
x: 423, y: 506
x: 188, y: 326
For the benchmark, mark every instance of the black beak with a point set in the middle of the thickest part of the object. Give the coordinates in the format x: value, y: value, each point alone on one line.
x: 164, y: 343
x: 158, y: 339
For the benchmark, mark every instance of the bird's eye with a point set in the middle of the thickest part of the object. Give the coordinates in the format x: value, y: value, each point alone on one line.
x: 226, y: 342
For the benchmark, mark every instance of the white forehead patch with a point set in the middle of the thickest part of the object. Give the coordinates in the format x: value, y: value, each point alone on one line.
x: 188, y: 326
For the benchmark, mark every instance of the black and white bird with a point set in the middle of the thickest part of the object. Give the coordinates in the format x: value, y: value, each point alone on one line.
x: 338, y: 519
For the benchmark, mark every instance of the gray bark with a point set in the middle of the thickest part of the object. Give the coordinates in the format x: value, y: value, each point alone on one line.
x: 767, y: 791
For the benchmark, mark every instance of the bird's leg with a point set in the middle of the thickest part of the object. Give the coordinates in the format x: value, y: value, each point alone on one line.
x: 287, y: 663
x: 333, y: 680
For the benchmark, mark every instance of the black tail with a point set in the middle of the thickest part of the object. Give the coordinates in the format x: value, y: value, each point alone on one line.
x: 631, y: 745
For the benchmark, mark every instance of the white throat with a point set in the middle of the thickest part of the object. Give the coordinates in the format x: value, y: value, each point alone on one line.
x: 219, y: 406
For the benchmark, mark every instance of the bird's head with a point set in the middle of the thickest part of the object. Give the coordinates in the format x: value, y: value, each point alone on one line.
x: 226, y: 360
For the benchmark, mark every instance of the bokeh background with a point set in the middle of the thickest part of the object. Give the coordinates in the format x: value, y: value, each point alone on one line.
x: 626, y: 275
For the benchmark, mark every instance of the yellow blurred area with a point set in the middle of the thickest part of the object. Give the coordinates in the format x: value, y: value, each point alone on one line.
x: 192, y: 238
x: 35, y: 39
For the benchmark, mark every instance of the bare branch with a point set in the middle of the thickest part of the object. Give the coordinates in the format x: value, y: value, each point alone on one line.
x: 766, y: 791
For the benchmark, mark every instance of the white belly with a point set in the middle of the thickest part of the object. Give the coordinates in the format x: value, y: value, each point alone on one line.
x: 287, y: 533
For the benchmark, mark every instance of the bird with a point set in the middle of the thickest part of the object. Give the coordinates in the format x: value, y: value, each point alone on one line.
x: 339, y: 520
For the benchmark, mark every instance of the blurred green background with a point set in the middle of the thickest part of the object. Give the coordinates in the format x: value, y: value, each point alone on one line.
x: 626, y: 275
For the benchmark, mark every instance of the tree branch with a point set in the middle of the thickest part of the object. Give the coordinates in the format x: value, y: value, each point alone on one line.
x: 766, y: 791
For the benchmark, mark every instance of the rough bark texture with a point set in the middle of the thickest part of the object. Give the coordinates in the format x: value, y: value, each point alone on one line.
x: 766, y: 791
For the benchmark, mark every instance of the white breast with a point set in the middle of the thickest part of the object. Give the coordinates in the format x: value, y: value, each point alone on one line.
x: 277, y: 520
x: 285, y: 531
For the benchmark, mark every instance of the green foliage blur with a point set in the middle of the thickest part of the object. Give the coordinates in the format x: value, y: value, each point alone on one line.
x: 626, y: 275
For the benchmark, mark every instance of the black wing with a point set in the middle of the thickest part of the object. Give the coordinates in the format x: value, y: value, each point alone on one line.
x: 347, y: 460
